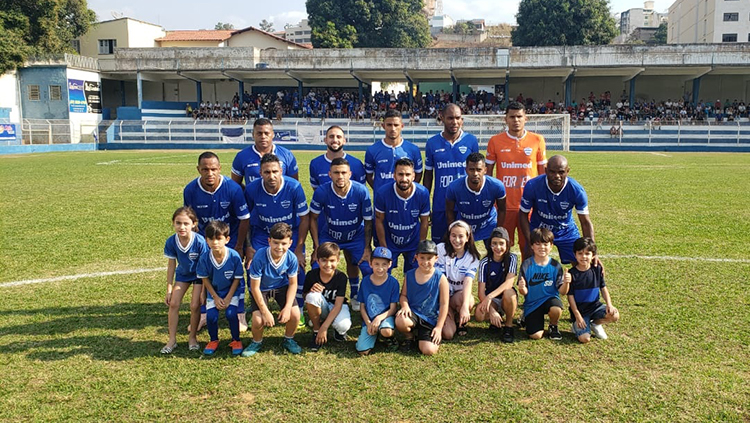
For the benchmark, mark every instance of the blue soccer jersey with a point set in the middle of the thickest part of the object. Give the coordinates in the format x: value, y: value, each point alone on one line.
x: 226, y: 204
x: 448, y: 163
x: 345, y: 216
x: 320, y: 166
x: 424, y: 299
x: 272, y: 275
x: 377, y: 299
x: 187, y: 257
x: 287, y: 205
x: 380, y: 160
x: 555, y: 211
x: 221, y: 274
x: 477, y: 208
x: 401, y: 221
x: 247, y: 163
x: 542, y: 282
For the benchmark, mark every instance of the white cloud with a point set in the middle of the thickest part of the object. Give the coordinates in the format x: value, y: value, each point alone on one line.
x: 293, y: 17
x: 493, y: 11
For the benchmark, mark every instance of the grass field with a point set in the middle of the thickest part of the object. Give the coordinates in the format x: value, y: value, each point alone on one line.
x: 88, y: 348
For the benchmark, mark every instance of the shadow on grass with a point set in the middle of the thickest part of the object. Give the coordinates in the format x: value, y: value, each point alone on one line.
x: 97, y: 347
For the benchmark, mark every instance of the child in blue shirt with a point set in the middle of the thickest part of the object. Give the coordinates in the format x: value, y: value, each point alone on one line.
x: 378, y: 294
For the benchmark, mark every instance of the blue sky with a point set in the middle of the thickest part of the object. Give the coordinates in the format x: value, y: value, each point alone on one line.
x: 202, y: 14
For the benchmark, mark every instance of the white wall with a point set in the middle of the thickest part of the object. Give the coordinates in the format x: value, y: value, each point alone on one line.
x: 9, y: 95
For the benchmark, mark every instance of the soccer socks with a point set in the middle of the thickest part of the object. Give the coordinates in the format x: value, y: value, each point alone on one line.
x: 353, y: 287
x: 212, y: 322
x: 300, y: 286
x: 234, y: 322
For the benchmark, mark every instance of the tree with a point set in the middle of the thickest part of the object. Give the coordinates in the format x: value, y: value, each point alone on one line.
x: 40, y: 27
x: 563, y: 22
x: 266, y: 26
x: 660, y: 36
x: 224, y: 26
x: 368, y: 23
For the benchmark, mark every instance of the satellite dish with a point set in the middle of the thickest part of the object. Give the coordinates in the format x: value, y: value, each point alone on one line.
x: 117, y: 15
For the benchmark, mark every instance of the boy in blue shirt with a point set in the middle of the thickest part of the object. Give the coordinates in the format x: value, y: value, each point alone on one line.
x: 542, y: 280
x: 273, y: 274
x: 587, y: 313
x: 221, y: 270
x: 379, y: 295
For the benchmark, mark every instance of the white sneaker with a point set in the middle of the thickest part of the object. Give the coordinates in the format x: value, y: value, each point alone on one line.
x: 355, y: 305
x: 598, y: 331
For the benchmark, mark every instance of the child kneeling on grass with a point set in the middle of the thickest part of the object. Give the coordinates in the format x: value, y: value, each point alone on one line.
x: 325, y: 297
x: 542, y: 280
x: 587, y: 313
x: 424, y: 302
x: 273, y: 274
x: 221, y: 270
x: 378, y: 295
x: 496, y: 275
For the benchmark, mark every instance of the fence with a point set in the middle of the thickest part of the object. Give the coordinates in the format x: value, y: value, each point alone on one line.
x: 60, y: 131
x: 649, y: 134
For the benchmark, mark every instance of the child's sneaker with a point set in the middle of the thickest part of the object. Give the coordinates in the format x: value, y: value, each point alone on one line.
x: 554, y: 333
x: 508, y: 335
x: 251, y: 349
x: 291, y: 345
x: 339, y: 337
x: 355, y: 305
x: 314, y: 346
x: 236, y: 347
x: 301, y: 324
x: 598, y: 331
x: 211, y: 347
x: 407, y: 345
x: 391, y: 344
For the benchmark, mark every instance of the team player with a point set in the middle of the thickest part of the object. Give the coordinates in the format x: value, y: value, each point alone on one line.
x: 550, y: 199
x: 221, y: 270
x: 379, y: 293
x: 246, y: 164
x: 445, y: 161
x: 496, y: 276
x: 380, y: 158
x: 458, y: 260
x: 319, y: 166
x: 273, y: 274
x: 183, y: 250
x: 516, y: 155
x: 347, y: 208
x: 402, y: 211
x: 474, y: 198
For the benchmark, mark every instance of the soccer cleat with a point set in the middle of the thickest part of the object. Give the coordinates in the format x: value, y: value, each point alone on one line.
x: 236, y: 347
x: 291, y: 345
x: 314, y: 346
x: 340, y: 337
x: 301, y: 324
x: 251, y: 349
x: 211, y: 347
x: 508, y: 335
x: 355, y: 305
x: 554, y: 333
x: 407, y: 345
x: 598, y: 331
x: 391, y: 344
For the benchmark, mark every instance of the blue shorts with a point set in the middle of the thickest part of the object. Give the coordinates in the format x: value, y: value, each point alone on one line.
x: 409, y: 262
x: 439, y: 226
x: 355, y: 249
x: 565, y: 248
x: 599, y: 313
x: 366, y: 341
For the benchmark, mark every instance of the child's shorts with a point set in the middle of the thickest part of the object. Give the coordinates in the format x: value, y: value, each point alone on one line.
x: 210, y: 303
x: 422, y: 328
x: 366, y: 341
x: 599, y: 313
x: 196, y: 281
x: 498, y: 302
x: 277, y: 294
x: 535, y: 319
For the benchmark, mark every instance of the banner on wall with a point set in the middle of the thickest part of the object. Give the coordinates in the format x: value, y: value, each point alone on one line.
x: 7, y: 132
x: 84, y: 96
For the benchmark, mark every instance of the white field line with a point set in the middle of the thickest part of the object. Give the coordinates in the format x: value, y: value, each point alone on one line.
x: 146, y: 159
x: 79, y: 276
x: 661, y: 154
x: 675, y: 258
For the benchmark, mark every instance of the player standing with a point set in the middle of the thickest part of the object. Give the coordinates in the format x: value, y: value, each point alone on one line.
x: 380, y: 158
x: 246, y: 164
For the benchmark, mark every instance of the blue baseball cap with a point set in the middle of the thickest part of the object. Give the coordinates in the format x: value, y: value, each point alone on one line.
x: 383, y: 253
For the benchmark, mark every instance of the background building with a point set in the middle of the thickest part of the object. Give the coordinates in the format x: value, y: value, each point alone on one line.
x: 104, y: 37
x: 709, y: 21
x: 632, y: 19
x: 299, y: 33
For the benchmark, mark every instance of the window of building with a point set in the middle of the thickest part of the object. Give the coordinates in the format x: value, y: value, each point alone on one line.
x: 729, y: 38
x: 731, y: 17
x: 55, y: 92
x: 107, y: 46
x: 34, y: 92
x: 76, y: 45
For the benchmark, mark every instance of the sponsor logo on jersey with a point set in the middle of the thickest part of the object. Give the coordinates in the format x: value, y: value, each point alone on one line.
x: 515, y: 165
x: 201, y: 206
x: 440, y: 150
x: 352, y: 207
x: 286, y: 203
x: 448, y: 165
x: 527, y: 151
x: 383, y: 161
x: 505, y: 150
x: 261, y: 204
x: 462, y: 149
x: 229, y: 274
x: 492, y: 273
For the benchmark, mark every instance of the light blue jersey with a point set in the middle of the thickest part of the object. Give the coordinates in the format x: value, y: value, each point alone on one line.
x: 401, y: 223
x: 226, y: 204
x: 287, y: 206
x: 187, y: 257
x: 477, y: 208
x: 555, y: 211
x: 377, y: 299
x: 542, y: 282
x: 448, y: 163
x: 380, y: 160
x: 320, y: 166
x: 272, y: 275
x: 345, y: 216
x: 221, y: 274
x: 247, y: 163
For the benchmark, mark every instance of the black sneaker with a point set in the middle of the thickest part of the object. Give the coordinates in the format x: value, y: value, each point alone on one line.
x: 407, y: 345
x: 391, y: 344
x: 494, y: 329
x: 339, y: 337
x: 508, y: 336
x: 314, y: 346
x: 554, y: 333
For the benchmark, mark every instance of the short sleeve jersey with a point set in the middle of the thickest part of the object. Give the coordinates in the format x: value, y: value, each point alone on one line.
x: 221, y: 274
x: 345, y: 216
x: 456, y: 268
x: 448, y: 163
x: 320, y: 166
x: 555, y: 211
x: 493, y: 273
x: 247, y: 163
x: 477, y: 208
x: 424, y: 299
x: 187, y: 257
x: 401, y: 222
x: 226, y: 204
x: 380, y: 160
x: 377, y: 299
x: 272, y: 274
x: 336, y: 287
x: 585, y: 286
x: 516, y: 161
x: 542, y: 282
x: 266, y: 209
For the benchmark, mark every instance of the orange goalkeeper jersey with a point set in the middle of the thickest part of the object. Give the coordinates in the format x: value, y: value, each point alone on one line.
x: 516, y: 161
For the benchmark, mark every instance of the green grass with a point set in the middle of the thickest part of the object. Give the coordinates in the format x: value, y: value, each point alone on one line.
x: 88, y: 349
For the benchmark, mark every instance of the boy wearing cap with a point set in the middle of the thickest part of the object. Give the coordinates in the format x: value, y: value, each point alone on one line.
x: 424, y: 302
x: 378, y: 295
